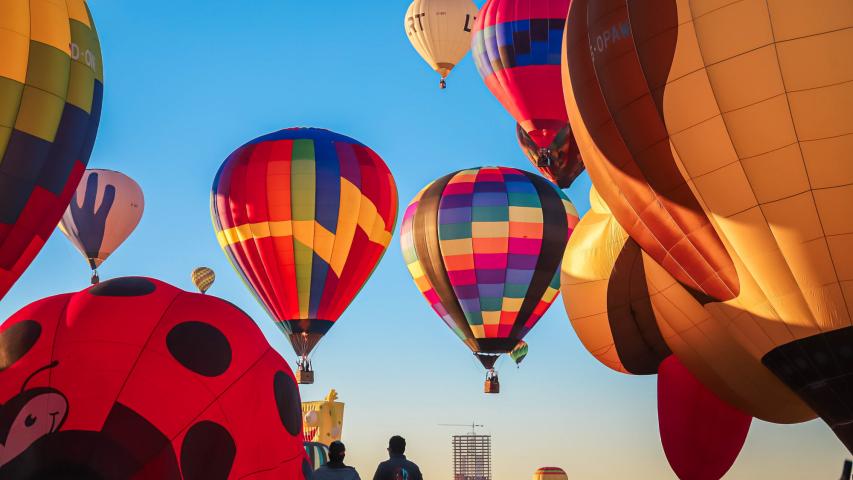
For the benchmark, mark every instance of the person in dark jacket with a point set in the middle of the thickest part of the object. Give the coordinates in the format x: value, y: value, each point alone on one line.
x: 335, y: 469
x: 397, y: 467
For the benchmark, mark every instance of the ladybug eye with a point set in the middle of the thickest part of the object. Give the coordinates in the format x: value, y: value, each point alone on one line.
x: 29, y: 421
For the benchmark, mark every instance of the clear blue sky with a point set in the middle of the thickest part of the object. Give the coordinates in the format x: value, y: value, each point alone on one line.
x: 188, y: 82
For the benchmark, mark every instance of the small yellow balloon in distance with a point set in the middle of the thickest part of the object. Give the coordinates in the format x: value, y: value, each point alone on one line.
x: 203, y: 278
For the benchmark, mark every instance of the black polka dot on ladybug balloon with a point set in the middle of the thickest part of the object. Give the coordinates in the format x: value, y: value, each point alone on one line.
x: 207, y: 452
x: 287, y: 402
x: 200, y: 347
x: 17, y: 340
x: 123, y: 287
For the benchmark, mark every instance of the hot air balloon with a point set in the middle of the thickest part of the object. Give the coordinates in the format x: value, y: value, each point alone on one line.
x: 51, y: 87
x: 565, y: 164
x: 203, y: 278
x: 728, y: 129
x: 516, y: 46
x: 304, y: 215
x: 440, y: 30
x: 550, y: 473
x: 134, y: 378
x: 631, y: 315
x: 701, y: 434
x: 484, y: 246
x: 105, y: 211
x: 519, y: 353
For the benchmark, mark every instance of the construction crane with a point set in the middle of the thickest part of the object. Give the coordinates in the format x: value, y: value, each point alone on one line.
x: 473, y: 425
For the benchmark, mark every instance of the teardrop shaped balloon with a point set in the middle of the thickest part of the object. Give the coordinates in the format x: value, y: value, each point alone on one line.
x: 104, y: 212
x: 203, y: 278
x: 51, y: 88
x: 484, y: 247
x: 440, y: 30
x: 563, y: 163
x: 519, y: 353
x: 304, y: 215
x: 516, y: 46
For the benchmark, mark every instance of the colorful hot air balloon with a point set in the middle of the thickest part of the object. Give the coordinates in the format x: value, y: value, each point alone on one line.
x: 203, y: 278
x: 440, y: 30
x: 516, y: 46
x: 134, y: 378
x: 565, y: 164
x: 550, y: 473
x: 51, y: 87
x: 519, y: 353
x: 720, y: 137
x: 484, y: 247
x: 105, y: 211
x: 304, y: 215
x: 701, y: 434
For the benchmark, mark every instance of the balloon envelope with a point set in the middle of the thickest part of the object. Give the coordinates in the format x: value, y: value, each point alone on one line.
x: 519, y: 353
x: 440, y: 30
x: 550, y: 473
x: 51, y: 74
x: 104, y: 212
x: 134, y: 378
x: 563, y: 163
x: 516, y: 46
x: 701, y: 434
x: 304, y: 215
x: 484, y: 248
x: 203, y: 278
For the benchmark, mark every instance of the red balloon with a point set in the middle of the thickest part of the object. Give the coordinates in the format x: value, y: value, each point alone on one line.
x: 134, y: 378
x: 516, y: 45
x: 701, y: 434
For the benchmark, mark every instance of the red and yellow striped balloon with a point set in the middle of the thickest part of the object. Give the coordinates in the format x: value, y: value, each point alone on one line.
x: 304, y: 215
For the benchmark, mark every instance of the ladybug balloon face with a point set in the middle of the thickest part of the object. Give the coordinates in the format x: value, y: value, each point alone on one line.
x: 134, y: 378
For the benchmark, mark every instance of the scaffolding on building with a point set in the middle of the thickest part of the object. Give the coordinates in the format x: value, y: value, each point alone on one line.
x: 472, y: 457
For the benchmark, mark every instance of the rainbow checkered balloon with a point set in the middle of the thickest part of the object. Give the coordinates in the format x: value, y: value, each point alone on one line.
x: 484, y: 247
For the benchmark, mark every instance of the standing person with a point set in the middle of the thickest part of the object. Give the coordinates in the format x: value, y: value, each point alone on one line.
x: 397, y: 467
x: 335, y: 469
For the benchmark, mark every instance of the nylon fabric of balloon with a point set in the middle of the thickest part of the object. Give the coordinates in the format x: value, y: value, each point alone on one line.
x: 630, y: 314
x: 516, y: 47
x: 106, y: 209
x: 519, y: 353
x: 701, y: 434
x: 203, y: 278
x: 304, y: 215
x: 51, y: 89
x: 440, y: 31
x: 483, y: 246
x: 741, y: 173
x: 550, y: 473
x: 134, y: 378
x: 564, y: 163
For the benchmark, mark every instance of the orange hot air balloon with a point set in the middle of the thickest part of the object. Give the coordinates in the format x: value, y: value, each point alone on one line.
x: 719, y: 137
x: 106, y: 209
x: 550, y: 473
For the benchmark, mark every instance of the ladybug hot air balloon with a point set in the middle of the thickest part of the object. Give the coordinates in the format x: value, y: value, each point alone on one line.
x: 516, y: 46
x: 565, y: 163
x: 304, y: 215
x: 51, y: 88
x: 102, y: 215
x: 484, y: 247
x: 134, y: 378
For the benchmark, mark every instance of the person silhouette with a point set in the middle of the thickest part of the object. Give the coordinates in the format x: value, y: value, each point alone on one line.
x: 335, y: 468
x: 397, y: 467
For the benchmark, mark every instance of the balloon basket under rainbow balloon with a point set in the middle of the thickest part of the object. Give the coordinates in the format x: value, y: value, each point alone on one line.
x: 492, y: 384
x: 304, y: 375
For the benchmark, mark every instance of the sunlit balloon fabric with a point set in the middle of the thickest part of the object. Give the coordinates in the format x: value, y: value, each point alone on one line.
x: 134, y: 378
x: 516, y: 47
x: 104, y: 212
x: 51, y: 87
x: 484, y: 247
x: 563, y: 164
x: 304, y: 215
x: 440, y: 30
x: 721, y: 138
